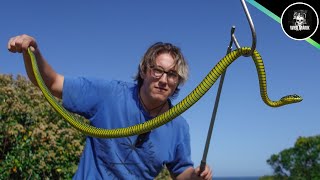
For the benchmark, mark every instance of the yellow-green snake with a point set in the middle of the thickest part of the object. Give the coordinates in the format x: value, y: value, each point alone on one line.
x: 175, y: 111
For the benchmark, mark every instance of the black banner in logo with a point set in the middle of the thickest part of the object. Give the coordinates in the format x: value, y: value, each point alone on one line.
x: 298, y: 18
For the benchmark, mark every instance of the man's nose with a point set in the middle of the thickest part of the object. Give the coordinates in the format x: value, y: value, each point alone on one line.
x: 164, y: 78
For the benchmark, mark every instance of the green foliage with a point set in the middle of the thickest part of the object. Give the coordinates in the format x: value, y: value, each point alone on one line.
x: 273, y: 178
x: 299, y: 162
x: 35, y: 142
x: 164, y: 175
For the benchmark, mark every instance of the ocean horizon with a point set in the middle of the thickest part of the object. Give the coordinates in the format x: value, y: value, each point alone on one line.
x: 237, y: 178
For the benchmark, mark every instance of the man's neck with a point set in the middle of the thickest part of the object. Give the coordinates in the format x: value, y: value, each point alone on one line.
x: 154, y: 108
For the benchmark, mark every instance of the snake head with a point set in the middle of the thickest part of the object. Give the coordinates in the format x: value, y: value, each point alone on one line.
x: 291, y: 99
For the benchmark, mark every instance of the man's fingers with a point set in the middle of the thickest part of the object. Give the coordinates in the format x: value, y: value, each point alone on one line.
x: 11, y: 45
x: 21, y: 43
x: 25, y: 44
x: 197, y: 170
x: 209, y: 174
x: 15, y: 43
x: 18, y: 44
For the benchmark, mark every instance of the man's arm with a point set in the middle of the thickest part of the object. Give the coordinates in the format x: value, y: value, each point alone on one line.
x: 53, y: 80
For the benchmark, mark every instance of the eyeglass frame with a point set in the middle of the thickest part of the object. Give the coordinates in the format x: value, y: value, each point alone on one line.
x: 153, y: 67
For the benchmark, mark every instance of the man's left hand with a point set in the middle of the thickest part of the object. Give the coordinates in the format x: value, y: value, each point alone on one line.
x: 206, y: 174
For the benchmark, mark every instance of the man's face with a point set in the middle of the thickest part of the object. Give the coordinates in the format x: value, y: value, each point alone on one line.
x: 159, y: 81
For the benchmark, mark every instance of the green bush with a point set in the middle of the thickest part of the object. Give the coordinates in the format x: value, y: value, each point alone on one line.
x: 35, y: 142
x: 302, y: 161
x: 164, y: 174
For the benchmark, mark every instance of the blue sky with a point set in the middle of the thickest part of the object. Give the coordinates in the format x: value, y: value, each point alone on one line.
x: 106, y: 39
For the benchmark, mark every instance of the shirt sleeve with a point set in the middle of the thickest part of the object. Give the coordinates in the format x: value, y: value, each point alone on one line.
x: 81, y: 95
x: 182, y: 159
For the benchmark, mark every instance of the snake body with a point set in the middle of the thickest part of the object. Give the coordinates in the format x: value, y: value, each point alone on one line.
x: 175, y: 111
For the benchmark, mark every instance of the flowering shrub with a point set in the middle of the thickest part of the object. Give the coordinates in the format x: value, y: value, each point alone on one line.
x: 35, y: 142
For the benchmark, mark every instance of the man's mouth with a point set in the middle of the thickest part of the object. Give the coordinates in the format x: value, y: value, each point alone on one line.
x: 161, y: 89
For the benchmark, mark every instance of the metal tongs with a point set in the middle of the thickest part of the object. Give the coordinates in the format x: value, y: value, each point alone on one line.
x: 253, y: 31
x: 214, y: 113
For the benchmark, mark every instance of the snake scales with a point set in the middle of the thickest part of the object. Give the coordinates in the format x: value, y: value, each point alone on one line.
x: 175, y: 111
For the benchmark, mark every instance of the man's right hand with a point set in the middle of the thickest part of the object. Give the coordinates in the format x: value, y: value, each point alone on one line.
x: 21, y: 43
x: 53, y: 80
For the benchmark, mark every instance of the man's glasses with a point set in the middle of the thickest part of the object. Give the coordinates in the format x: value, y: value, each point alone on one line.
x: 157, y: 72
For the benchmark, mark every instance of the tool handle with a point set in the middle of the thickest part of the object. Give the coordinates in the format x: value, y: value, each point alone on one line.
x: 202, y: 166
